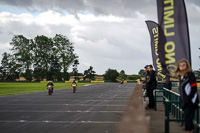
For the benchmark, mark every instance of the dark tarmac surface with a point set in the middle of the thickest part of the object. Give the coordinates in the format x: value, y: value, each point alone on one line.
x: 93, y: 109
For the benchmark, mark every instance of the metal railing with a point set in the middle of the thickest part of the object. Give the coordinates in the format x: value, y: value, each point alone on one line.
x: 196, y: 121
x: 172, y: 106
x: 170, y: 99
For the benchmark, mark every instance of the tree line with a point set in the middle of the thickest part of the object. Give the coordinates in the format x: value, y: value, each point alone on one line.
x: 48, y: 58
x: 42, y: 58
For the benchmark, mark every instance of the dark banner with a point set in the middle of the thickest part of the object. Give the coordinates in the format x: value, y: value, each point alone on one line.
x: 156, y: 34
x: 173, y: 20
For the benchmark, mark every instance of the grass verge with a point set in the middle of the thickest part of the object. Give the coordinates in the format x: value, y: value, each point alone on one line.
x: 20, y: 88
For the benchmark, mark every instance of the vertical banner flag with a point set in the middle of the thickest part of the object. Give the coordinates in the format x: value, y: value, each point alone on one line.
x: 172, y: 18
x: 156, y: 34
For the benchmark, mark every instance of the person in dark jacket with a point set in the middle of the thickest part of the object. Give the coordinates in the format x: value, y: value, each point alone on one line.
x: 150, y: 86
x: 188, y: 92
x: 147, y: 73
x: 144, y: 85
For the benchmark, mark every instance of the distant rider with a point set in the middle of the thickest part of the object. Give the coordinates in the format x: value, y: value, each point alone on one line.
x: 74, y: 82
x: 50, y: 83
x: 122, y: 81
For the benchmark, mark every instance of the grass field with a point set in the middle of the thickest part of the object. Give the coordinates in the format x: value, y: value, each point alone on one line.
x: 19, y: 88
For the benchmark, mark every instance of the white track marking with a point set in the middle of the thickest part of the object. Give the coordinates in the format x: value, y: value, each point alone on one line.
x: 67, y: 111
x: 69, y: 122
x: 107, y: 105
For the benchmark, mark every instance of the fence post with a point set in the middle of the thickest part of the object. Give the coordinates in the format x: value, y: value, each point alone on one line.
x: 170, y: 99
x: 163, y: 96
x: 197, y: 121
x: 167, y: 116
x: 155, y: 101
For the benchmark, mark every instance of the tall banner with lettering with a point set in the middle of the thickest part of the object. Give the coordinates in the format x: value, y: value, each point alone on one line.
x: 156, y: 34
x: 172, y: 18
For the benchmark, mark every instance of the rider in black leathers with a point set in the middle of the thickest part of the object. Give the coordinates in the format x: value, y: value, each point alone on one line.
x: 50, y: 83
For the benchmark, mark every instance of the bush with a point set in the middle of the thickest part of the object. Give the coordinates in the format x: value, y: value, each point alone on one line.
x: 111, y: 74
x: 133, y: 77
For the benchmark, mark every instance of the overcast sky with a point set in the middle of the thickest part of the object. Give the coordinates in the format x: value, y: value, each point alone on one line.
x: 106, y: 33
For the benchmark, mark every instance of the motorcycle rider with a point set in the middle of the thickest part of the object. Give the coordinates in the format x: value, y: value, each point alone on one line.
x: 50, y: 83
x: 74, y: 82
x: 122, y: 81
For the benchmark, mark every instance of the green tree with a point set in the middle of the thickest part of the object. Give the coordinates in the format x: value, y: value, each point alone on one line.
x: 111, y: 74
x: 89, y: 73
x: 42, y: 49
x: 66, y: 75
x: 42, y: 57
x: 55, y: 69
x: 28, y: 74
x: 142, y: 73
x: 53, y: 57
x: 22, y: 52
x: 75, y: 68
x: 10, y: 69
x: 65, y: 53
x: 122, y: 75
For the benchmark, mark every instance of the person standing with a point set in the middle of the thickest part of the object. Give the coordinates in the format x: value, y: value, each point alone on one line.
x: 144, y: 83
x: 147, y: 73
x: 151, y: 78
x: 188, y: 92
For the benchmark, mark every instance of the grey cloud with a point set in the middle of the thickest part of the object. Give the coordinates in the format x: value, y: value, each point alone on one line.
x: 196, y: 2
x: 18, y: 3
x: 123, y: 48
x: 31, y: 30
x: 124, y: 8
x: 193, y: 14
x: 129, y: 40
x: 119, y: 7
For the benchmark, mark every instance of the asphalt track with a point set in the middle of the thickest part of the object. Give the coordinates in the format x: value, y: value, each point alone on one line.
x: 93, y: 109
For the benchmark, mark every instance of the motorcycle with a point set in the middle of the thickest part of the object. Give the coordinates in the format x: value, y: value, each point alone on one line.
x: 50, y: 89
x: 74, y: 87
